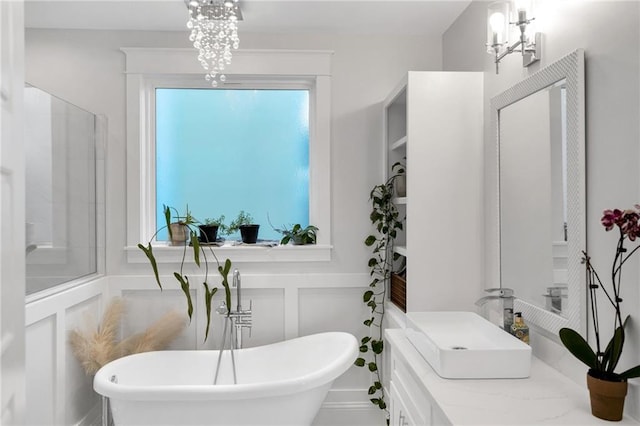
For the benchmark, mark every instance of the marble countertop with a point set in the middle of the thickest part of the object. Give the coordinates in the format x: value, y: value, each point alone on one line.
x: 545, y: 398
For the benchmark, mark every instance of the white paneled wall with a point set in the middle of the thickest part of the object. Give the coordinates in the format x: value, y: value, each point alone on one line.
x: 58, y: 390
x: 284, y: 306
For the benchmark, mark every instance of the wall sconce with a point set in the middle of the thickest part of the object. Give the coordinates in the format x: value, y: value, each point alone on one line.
x: 502, y: 17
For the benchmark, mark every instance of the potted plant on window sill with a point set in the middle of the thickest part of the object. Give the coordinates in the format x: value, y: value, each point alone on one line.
x: 607, y: 388
x: 298, y: 235
x: 211, y: 228
x: 245, y: 224
x: 178, y: 226
x: 188, y: 225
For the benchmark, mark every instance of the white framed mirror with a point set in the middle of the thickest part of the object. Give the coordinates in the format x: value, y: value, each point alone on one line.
x: 539, y: 129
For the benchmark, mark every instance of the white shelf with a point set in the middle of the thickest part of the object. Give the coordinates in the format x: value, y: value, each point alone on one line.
x: 401, y: 250
x: 400, y: 143
x: 400, y: 200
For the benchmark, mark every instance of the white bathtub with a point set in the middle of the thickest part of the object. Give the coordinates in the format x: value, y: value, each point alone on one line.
x: 279, y: 384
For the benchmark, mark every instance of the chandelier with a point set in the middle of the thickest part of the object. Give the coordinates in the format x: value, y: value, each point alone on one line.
x: 214, y: 33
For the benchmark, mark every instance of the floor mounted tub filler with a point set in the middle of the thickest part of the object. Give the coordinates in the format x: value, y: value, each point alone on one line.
x: 280, y: 384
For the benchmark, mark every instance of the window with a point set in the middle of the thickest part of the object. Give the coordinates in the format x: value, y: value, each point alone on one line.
x: 302, y: 77
x: 221, y: 151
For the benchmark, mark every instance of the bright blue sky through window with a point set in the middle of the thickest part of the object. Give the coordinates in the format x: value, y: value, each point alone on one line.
x: 221, y: 151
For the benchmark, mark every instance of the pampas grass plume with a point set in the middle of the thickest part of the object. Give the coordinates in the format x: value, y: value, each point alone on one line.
x: 100, y: 345
x: 95, y: 349
x: 157, y: 337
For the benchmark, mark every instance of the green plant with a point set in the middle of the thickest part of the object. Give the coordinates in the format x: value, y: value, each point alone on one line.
x: 601, y: 364
x: 298, y: 234
x: 223, y: 229
x: 386, y: 220
x: 198, y: 252
x: 185, y: 220
x: 243, y: 218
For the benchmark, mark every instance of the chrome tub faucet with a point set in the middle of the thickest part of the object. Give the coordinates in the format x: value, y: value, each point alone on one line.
x: 240, y: 318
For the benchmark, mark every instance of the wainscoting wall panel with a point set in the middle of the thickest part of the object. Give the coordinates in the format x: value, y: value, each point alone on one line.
x: 284, y: 306
x: 41, y: 370
x: 79, y: 393
x: 58, y: 390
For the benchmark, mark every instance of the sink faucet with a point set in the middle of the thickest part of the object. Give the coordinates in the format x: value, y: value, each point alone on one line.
x: 505, y: 295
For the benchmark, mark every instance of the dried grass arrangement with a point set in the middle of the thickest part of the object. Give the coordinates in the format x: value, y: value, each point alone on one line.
x: 96, y: 345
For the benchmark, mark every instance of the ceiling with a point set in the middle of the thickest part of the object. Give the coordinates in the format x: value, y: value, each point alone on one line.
x: 413, y: 17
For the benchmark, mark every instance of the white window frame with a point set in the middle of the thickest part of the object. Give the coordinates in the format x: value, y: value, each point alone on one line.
x: 151, y: 68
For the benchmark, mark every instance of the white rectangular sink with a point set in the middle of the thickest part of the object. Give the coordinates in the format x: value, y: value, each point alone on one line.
x: 464, y: 345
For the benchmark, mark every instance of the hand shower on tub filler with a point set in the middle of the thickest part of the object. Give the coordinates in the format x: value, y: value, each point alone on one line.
x: 240, y: 318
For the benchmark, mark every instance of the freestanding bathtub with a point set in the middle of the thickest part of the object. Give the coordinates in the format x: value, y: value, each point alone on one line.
x: 280, y: 384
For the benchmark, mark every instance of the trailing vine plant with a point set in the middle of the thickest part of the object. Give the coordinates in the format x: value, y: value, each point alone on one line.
x: 386, y: 220
x: 198, y: 252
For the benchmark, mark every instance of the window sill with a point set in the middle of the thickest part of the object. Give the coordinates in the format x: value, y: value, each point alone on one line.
x: 244, y: 253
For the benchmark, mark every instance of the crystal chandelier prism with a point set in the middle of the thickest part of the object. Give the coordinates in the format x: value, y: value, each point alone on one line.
x: 214, y: 33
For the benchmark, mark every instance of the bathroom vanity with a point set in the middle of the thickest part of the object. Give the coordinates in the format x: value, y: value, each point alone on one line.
x: 417, y: 396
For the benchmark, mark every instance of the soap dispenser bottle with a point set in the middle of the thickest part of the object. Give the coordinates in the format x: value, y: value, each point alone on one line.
x: 519, y: 328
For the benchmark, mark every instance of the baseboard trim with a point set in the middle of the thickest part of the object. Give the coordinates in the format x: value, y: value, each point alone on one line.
x: 337, y: 399
x: 93, y: 417
x: 347, y: 399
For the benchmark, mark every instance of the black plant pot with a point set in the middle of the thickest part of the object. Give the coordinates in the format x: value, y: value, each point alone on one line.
x: 208, y: 233
x: 249, y: 233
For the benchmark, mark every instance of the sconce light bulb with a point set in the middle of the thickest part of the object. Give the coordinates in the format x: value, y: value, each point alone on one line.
x: 496, y: 21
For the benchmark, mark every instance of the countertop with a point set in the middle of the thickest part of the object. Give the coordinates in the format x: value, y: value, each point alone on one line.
x: 545, y: 398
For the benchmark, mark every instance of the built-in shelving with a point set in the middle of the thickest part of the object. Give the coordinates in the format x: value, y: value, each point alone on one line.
x: 401, y: 250
x: 395, y: 150
x: 433, y: 124
x: 399, y: 144
x: 400, y: 200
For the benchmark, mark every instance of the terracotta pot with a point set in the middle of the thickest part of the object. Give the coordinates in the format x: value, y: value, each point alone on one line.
x: 179, y: 234
x: 607, y: 398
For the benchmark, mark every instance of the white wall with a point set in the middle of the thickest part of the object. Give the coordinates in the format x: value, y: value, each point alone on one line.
x: 58, y: 390
x: 609, y: 33
x: 12, y: 201
x: 86, y: 68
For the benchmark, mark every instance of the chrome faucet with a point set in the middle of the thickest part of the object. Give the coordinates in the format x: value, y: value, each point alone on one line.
x: 240, y: 318
x: 505, y: 295
x: 554, y: 298
x: 237, y: 286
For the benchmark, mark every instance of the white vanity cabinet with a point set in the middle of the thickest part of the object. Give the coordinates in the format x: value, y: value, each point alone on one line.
x: 433, y: 122
x: 410, y: 404
x: 408, y: 407
x: 417, y: 396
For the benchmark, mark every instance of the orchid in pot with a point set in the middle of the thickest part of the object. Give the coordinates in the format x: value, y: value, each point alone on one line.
x: 607, y: 388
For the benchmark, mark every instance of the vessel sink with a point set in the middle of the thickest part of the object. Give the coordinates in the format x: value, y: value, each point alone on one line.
x: 464, y: 345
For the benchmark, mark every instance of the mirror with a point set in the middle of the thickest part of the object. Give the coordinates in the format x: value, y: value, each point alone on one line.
x: 539, y: 128
x: 61, y: 203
